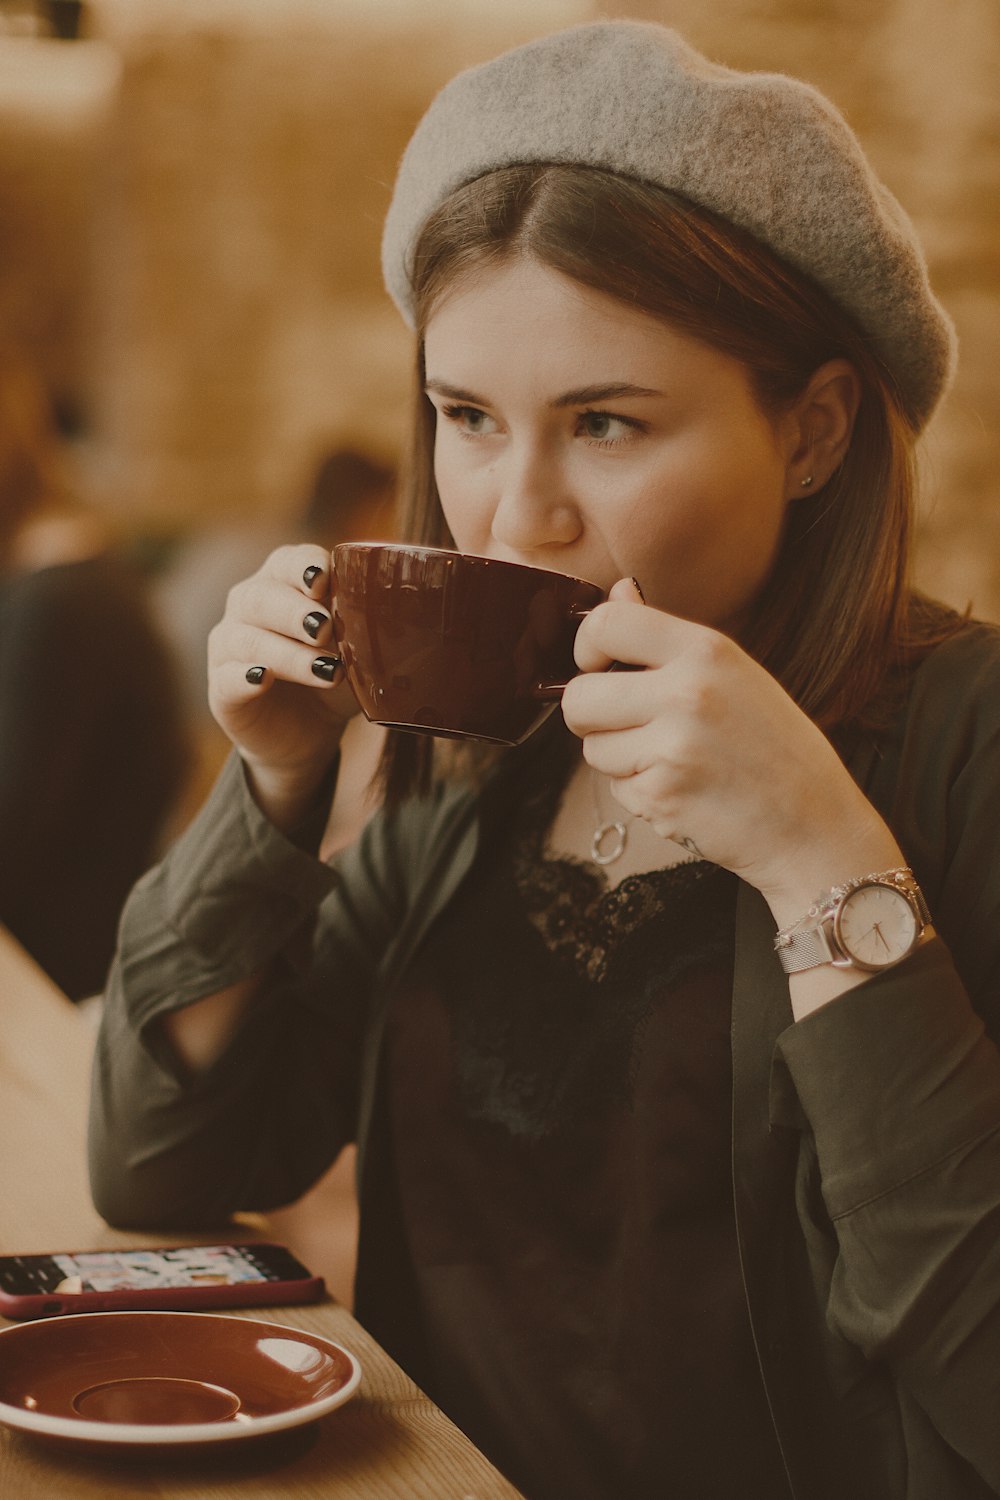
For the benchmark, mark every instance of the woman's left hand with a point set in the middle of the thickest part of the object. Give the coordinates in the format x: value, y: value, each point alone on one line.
x: 709, y: 749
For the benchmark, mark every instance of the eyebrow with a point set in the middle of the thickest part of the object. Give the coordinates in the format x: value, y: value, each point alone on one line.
x: 585, y: 395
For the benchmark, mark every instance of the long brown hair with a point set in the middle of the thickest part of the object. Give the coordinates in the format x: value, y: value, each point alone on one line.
x: 836, y: 621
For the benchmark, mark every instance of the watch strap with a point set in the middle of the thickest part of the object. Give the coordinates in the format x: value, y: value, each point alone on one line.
x: 804, y: 949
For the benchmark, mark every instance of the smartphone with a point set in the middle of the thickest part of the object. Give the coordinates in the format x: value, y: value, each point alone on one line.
x: 167, y: 1278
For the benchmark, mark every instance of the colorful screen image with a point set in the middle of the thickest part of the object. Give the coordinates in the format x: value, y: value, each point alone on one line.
x: 155, y: 1270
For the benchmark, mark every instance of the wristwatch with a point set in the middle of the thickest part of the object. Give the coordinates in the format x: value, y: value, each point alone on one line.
x: 870, y: 923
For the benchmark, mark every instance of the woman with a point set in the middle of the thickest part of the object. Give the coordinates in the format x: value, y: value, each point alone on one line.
x: 656, y: 1197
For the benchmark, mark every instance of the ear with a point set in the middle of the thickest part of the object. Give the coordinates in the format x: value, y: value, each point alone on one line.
x: 820, y: 424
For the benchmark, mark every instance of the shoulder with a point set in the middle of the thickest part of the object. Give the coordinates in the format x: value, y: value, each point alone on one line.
x: 946, y: 735
x: 955, y: 691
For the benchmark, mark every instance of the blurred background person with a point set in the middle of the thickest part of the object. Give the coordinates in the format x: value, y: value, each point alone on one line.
x: 351, y: 497
x: 92, y: 746
x: 352, y: 500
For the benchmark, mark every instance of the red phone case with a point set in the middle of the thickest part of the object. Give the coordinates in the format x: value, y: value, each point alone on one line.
x: 307, y: 1288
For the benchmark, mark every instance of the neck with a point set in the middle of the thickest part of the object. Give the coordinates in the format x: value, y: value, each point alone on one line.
x: 571, y: 833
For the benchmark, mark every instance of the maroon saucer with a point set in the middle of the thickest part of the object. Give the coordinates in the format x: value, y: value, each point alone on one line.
x: 164, y: 1378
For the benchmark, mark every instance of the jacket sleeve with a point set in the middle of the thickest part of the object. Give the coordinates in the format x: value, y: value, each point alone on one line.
x: 898, y: 1083
x: 233, y: 898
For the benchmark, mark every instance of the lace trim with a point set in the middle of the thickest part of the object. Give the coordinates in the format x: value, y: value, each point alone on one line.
x: 569, y: 904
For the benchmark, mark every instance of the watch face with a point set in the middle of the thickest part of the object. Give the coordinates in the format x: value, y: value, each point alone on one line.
x: 876, y: 926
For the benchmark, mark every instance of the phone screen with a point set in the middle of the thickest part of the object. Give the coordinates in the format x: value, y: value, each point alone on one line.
x: 150, y: 1270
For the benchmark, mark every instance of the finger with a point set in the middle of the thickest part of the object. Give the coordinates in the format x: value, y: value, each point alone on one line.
x: 250, y: 647
x: 235, y: 684
x: 597, y: 701
x: 233, y: 688
x: 272, y: 603
x: 617, y: 631
x: 619, y: 754
x: 303, y: 565
x: 627, y: 589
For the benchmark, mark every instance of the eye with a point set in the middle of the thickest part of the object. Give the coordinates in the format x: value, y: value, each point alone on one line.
x: 607, y: 429
x: 470, y: 420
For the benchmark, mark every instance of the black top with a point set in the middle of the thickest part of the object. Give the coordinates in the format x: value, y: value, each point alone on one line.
x: 560, y: 1119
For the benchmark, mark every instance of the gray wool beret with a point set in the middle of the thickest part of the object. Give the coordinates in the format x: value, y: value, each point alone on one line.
x: 763, y: 150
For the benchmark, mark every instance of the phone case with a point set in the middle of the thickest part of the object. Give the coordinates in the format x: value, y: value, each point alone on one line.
x: 307, y: 1288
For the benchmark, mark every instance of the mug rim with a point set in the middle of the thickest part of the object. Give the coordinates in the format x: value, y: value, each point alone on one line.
x: 476, y: 557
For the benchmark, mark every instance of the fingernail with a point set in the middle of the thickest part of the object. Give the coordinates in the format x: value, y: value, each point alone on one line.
x: 314, y: 622
x: 310, y: 575
x: 638, y: 590
x: 325, y: 667
x: 255, y: 674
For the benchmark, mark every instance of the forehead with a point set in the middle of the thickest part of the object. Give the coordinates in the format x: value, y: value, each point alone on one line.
x: 527, y: 321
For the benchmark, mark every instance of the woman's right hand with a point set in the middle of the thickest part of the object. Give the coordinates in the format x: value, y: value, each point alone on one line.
x: 286, y: 720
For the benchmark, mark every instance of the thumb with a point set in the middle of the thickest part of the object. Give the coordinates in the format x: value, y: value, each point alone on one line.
x: 628, y: 591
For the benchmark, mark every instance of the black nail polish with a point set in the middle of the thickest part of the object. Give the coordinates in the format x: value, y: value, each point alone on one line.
x: 310, y: 575
x: 314, y: 622
x: 639, y: 590
x: 325, y: 667
x: 255, y: 674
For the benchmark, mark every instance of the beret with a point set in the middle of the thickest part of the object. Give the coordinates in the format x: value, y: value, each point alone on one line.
x: 765, y: 151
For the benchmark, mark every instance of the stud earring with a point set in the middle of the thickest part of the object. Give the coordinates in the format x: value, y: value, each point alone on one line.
x: 805, y: 483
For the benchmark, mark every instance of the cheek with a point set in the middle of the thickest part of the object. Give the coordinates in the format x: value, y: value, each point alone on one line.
x: 467, y: 513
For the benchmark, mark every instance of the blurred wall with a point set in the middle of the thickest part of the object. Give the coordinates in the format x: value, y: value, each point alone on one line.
x: 243, y: 326
x: 56, y: 103
x: 191, y: 203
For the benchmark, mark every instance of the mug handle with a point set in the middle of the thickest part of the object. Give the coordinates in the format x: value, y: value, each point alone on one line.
x: 551, y: 692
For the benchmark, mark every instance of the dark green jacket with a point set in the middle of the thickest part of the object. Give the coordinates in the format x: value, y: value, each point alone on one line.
x: 866, y: 1138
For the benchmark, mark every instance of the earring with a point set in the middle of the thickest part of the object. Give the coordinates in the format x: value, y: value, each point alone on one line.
x: 805, y: 483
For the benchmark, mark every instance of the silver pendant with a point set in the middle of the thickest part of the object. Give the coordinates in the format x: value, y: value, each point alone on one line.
x: 603, y: 853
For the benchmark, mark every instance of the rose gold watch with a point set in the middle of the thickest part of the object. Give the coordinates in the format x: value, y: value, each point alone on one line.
x: 870, y: 923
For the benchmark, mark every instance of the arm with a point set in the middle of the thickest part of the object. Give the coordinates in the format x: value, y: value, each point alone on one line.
x: 275, y: 699
x: 898, y: 1083
x: 233, y: 899
x: 225, y: 1070
x: 896, y: 1087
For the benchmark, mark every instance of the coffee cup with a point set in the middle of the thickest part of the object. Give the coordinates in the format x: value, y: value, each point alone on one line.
x: 447, y: 643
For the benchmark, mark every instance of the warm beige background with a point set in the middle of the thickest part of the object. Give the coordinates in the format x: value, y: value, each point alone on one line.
x: 190, y: 206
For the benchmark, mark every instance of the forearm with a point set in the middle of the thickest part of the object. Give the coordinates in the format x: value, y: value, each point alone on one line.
x: 842, y: 839
x: 200, y: 1033
x: 220, y: 897
x: 200, y: 1009
x: 897, y: 1091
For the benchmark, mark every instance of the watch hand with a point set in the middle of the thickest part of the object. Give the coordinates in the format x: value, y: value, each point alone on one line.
x: 876, y: 928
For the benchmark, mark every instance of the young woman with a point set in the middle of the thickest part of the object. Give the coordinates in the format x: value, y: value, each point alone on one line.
x: 677, y: 1117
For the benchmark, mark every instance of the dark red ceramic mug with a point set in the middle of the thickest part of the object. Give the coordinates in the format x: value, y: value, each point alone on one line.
x: 451, y: 644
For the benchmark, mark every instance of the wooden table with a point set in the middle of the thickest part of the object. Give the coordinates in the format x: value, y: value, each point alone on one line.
x: 389, y: 1443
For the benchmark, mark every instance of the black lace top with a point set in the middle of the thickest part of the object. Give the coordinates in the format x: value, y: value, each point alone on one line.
x: 559, y: 1095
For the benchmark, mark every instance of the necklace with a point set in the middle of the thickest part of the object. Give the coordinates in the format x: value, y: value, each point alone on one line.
x: 610, y: 836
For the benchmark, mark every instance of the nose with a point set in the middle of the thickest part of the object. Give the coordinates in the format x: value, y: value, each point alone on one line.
x: 534, y: 508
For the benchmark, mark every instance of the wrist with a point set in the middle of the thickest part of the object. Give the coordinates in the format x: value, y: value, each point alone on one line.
x: 284, y: 795
x: 861, y: 927
x: 829, y: 858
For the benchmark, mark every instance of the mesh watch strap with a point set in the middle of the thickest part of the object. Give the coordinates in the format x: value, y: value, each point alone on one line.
x: 803, y: 950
